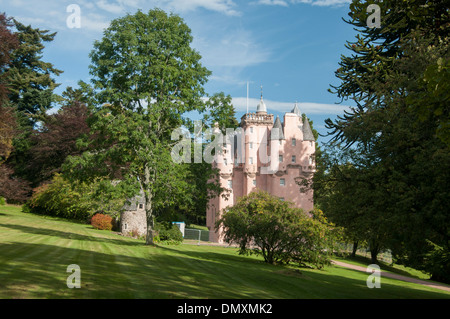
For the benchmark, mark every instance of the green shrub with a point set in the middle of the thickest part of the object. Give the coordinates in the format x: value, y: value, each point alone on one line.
x: 60, y: 199
x: 76, y: 200
x: 437, y: 262
x: 168, y: 233
x: 102, y: 222
x: 280, y: 232
x: 2, y: 201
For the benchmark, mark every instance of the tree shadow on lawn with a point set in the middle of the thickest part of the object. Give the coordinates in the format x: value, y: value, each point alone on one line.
x: 312, y: 283
x: 69, y: 235
x: 40, y: 271
x: 43, y: 274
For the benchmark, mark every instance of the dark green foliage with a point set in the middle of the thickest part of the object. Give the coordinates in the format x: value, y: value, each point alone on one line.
x: 30, y: 79
x: 30, y: 84
x: 168, y: 233
x: 390, y: 160
x: 77, y: 200
x: 263, y: 224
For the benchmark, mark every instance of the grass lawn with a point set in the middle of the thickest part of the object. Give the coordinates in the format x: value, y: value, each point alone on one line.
x: 35, y: 252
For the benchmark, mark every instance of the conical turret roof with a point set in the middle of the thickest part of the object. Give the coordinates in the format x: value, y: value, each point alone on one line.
x: 296, y: 110
x: 278, y: 126
x: 307, y: 132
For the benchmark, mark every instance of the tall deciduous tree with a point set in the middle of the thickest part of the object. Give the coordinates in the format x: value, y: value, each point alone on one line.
x: 146, y: 75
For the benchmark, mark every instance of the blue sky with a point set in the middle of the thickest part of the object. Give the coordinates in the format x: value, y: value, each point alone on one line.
x: 290, y: 47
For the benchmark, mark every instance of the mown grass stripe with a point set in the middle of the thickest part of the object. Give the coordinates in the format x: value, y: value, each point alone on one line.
x: 35, y: 252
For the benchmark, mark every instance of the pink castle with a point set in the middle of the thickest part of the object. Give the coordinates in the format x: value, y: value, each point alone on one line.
x: 270, y: 156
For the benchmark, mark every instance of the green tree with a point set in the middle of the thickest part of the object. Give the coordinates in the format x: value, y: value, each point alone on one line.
x: 145, y: 76
x: 205, y: 178
x: 280, y: 232
x: 348, y: 192
x: 391, y: 70
x: 30, y: 79
x: 30, y: 85
x: 8, y: 43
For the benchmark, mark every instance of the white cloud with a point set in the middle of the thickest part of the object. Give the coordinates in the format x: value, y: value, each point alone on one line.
x: 322, y: 3
x: 233, y: 48
x: 273, y: 2
x: 110, y: 7
x: 93, y: 22
x: 224, y: 6
x: 240, y: 104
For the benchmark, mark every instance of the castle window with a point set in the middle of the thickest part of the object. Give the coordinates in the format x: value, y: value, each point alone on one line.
x: 225, y: 161
x: 251, y: 129
x: 293, y: 142
x: 311, y: 160
x: 254, y: 182
x: 311, y: 143
x: 280, y: 158
x: 282, y: 199
x: 251, y: 145
x: 251, y: 160
x: 125, y: 226
x: 293, y: 158
x: 230, y: 183
x: 282, y: 182
x: 141, y: 206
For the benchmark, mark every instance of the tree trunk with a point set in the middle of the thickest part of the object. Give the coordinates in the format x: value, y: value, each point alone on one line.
x: 355, y: 248
x: 148, y: 208
x: 374, y: 250
x: 150, y: 222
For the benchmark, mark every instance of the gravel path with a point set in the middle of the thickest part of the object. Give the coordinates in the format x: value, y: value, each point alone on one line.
x: 395, y: 276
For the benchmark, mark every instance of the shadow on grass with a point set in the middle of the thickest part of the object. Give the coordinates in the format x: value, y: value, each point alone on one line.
x: 69, y: 235
x: 137, y: 271
x: 40, y: 271
x: 383, y: 266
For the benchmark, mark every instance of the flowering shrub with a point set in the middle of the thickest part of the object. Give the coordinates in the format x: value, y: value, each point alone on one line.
x: 101, y: 221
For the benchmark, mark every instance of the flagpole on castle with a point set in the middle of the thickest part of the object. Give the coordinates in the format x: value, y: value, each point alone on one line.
x: 247, y: 97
